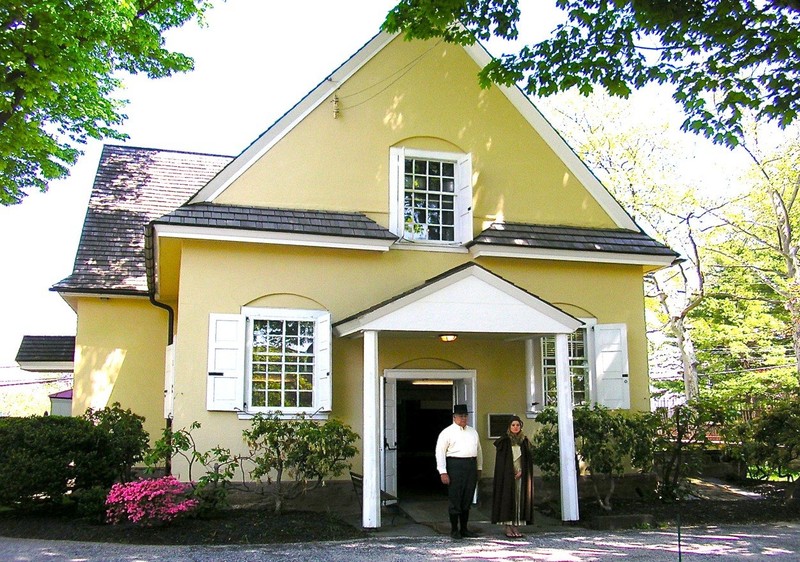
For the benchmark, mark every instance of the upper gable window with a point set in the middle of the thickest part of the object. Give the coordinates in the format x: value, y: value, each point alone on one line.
x: 431, y: 196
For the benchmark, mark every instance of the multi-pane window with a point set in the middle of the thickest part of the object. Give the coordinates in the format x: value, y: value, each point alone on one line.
x: 270, y: 360
x: 578, y: 368
x: 429, y: 200
x: 282, y: 363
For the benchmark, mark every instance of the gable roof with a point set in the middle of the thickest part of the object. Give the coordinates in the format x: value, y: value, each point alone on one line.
x: 467, y: 299
x: 46, y: 353
x: 132, y: 187
x: 329, y: 85
x: 570, y: 243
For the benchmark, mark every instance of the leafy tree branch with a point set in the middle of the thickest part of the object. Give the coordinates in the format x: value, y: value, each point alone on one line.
x: 62, y: 62
x: 723, y: 58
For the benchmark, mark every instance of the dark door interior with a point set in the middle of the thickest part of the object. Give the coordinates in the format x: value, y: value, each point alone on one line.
x: 423, y: 410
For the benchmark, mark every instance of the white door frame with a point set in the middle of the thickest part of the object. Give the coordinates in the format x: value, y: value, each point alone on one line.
x: 388, y: 439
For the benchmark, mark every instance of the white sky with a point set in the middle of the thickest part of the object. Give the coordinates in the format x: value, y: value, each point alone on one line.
x: 254, y: 60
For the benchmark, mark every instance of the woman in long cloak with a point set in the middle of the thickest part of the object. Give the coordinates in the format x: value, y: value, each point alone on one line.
x: 512, y: 494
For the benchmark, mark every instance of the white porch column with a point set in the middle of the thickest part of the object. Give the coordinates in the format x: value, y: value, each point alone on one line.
x: 530, y: 378
x: 566, y: 436
x: 371, y: 500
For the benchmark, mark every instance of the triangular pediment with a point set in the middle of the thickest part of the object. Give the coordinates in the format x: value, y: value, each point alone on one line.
x: 468, y: 299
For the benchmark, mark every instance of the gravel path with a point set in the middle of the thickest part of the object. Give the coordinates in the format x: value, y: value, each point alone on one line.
x: 775, y: 542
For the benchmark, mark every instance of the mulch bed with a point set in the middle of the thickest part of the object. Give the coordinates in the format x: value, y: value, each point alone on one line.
x: 235, y: 526
x: 701, y: 512
x: 771, y: 506
x: 260, y: 525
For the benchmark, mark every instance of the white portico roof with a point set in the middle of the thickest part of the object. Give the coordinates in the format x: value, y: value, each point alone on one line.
x: 467, y: 299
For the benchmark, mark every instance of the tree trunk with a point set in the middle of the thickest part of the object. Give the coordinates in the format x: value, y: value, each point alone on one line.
x: 782, y: 205
x: 677, y: 326
x: 688, y: 358
x: 278, y: 491
x: 793, y: 306
x: 789, y: 250
x: 604, y: 499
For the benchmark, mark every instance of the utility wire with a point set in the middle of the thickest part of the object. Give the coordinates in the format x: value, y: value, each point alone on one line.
x: 409, y: 65
x: 40, y: 381
x: 394, y: 77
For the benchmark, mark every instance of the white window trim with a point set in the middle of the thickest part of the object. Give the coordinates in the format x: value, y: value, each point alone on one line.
x: 463, y: 196
x: 241, y: 374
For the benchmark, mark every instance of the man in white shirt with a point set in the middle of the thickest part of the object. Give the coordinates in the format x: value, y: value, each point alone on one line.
x: 459, y: 460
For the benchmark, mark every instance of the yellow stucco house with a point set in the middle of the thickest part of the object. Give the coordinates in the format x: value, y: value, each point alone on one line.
x: 320, y: 271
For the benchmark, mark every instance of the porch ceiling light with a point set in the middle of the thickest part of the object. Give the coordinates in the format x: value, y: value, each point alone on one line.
x: 448, y: 337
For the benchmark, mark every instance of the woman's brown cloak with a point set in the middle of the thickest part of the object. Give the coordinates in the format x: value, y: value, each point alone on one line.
x: 503, y: 497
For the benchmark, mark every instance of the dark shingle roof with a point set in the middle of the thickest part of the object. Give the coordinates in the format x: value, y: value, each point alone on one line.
x: 265, y: 219
x: 537, y: 236
x: 132, y: 187
x: 46, y: 349
x: 292, y: 221
x: 136, y: 186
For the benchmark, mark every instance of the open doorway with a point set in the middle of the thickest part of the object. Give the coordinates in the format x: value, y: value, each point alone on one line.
x: 424, y: 408
x: 417, y: 405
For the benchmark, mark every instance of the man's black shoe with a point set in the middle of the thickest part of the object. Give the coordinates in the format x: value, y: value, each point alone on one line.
x: 467, y: 534
x: 456, y: 535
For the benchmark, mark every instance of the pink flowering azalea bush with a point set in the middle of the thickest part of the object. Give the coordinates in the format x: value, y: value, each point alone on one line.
x: 149, y: 501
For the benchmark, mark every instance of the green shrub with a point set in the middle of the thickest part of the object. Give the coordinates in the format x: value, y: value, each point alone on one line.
x: 120, y: 442
x: 681, y: 438
x: 38, y: 457
x: 90, y: 503
x: 219, y: 466
x: 322, y: 450
x: 774, y: 449
x: 301, y: 448
x: 42, y: 458
x: 606, y: 441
